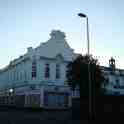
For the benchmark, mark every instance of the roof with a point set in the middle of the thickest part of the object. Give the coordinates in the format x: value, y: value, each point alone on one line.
x: 56, y: 45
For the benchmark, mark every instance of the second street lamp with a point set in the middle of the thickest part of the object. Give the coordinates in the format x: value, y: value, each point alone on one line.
x: 89, y: 74
x: 87, y: 23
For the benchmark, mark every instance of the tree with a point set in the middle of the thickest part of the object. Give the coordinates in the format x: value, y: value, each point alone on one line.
x: 77, y: 75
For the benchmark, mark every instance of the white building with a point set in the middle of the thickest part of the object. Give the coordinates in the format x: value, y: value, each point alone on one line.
x: 38, y: 78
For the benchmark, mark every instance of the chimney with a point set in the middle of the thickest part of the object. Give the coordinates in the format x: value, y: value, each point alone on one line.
x: 29, y: 49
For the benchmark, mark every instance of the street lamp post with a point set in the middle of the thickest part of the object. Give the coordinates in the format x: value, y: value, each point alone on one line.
x: 10, y: 96
x: 88, y: 53
x: 87, y: 23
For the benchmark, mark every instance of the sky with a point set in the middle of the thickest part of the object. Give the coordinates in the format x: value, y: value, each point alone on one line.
x: 25, y: 23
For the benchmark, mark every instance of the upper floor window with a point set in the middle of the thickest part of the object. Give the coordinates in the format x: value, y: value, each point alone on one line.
x: 34, y: 69
x: 47, y: 70
x: 17, y: 78
x: 57, y: 71
x: 21, y: 76
x: 25, y: 75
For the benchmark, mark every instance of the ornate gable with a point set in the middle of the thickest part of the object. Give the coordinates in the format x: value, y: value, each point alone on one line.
x: 57, y: 35
x: 56, y: 45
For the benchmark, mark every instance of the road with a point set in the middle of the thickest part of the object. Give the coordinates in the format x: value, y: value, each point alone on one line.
x: 24, y: 116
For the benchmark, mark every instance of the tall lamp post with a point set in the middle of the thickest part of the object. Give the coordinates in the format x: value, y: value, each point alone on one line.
x: 88, y: 53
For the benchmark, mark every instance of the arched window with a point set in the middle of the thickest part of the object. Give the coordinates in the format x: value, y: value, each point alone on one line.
x: 57, y: 71
x: 34, y: 69
x: 47, y: 70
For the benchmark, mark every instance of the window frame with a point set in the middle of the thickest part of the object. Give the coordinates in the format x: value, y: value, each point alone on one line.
x: 34, y: 70
x: 58, y: 71
x: 47, y: 71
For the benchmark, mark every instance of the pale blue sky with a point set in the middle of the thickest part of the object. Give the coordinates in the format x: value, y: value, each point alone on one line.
x: 25, y: 23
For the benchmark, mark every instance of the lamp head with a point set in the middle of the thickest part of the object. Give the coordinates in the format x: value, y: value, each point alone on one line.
x: 82, y: 15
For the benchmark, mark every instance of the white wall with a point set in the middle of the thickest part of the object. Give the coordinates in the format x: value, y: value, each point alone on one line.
x: 41, y: 68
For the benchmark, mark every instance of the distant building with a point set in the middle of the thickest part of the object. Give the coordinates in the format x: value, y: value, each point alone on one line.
x: 38, y: 78
x: 114, y: 78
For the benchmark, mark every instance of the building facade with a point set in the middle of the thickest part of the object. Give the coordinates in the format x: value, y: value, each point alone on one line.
x: 38, y: 78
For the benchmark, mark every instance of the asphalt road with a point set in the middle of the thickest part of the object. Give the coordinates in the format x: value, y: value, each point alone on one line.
x: 24, y: 116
